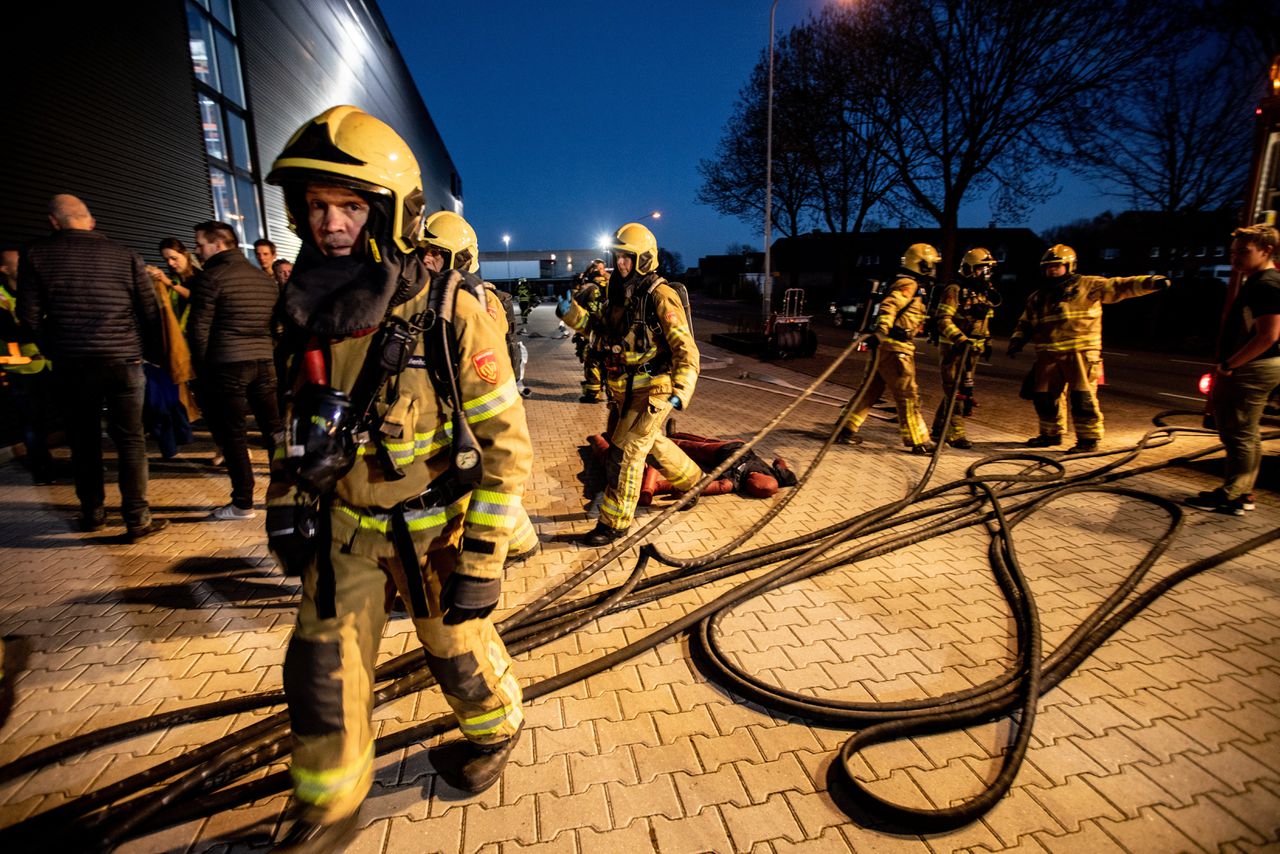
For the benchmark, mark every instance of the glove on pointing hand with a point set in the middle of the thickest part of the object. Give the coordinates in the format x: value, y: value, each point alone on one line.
x: 562, y: 304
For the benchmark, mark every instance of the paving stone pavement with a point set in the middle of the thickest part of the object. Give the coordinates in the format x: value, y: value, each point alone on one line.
x: 1166, y: 739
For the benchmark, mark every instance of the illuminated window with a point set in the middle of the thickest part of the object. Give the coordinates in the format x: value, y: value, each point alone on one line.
x: 1155, y: 251
x: 1110, y: 253
x: 224, y: 121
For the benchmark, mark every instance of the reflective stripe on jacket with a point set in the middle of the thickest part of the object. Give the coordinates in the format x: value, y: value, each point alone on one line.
x: 1069, y: 318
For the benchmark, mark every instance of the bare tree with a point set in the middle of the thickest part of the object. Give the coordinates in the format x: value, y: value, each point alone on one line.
x: 971, y: 94
x: 733, y: 180
x: 1181, y: 143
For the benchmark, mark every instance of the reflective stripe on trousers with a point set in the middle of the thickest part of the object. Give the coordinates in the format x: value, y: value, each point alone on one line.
x: 637, y: 435
x: 896, y: 371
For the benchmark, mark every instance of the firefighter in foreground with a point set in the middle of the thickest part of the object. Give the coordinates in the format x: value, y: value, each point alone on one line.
x: 593, y: 289
x: 902, y: 312
x: 650, y: 365
x: 963, y: 316
x: 449, y: 243
x: 405, y: 457
x: 1063, y: 319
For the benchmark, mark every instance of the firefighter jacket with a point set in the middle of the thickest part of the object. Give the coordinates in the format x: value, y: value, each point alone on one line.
x: 417, y: 433
x: 1066, y: 317
x: 965, y: 310
x: 15, y: 344
x: 649, y: 347
x: 903, y: 307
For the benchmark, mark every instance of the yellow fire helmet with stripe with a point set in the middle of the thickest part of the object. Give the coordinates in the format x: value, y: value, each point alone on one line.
x: 1060, y: 253
x: 346, y: 147
x: 449, y: 232
x: 921, y: 259
x: 634, y: 239
x: 977, y: 263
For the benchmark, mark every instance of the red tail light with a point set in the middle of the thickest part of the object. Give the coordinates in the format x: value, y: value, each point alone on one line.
x: 1206, y: 384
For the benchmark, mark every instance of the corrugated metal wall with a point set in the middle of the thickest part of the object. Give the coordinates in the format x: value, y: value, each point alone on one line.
x: 109, y: 110
x: 99, y: 102
x: 304, y: 57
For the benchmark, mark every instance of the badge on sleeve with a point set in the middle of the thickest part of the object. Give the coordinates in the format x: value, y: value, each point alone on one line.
x: 486, y: 366
x: 672, y: 317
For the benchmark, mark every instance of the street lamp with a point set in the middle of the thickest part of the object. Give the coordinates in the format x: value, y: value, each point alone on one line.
x: 766, y: 288
x: 506, y: 241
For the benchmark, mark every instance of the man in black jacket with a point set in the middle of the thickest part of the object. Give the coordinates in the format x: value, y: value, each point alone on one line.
x: 229, y: 331
x: 90, y: 304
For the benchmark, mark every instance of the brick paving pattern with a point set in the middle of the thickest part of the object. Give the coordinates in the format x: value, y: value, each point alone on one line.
x: 1166, y: 739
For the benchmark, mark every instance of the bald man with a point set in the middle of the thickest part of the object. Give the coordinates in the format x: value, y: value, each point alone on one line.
x: 89, y: 302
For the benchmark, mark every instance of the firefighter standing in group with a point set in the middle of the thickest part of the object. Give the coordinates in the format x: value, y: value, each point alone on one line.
x: 449, y: 243
x: 902, y: 312
x: 592, y: 293
x: 364, y: 508
x: 651, y: 366
x: 1063, y: 320
x: 963, y: 316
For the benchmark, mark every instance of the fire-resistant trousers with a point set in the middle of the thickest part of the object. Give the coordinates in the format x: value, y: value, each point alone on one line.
x: 638, y: 434
x: 952, y: 380
x: 1077, y: 372
x: 328, y: 671
x: 592, y: 377
x: 895, y: 371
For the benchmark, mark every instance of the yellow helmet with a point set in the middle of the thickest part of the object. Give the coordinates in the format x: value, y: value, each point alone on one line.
x: 347, y: 147
x: 634, y: 239
x: 1060, y: 253
x: 921, y: 259
x: 974, y: 259
x: 448, y: 231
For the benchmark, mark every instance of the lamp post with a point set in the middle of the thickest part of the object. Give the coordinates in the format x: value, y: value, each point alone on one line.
x: 766, y: 288
x: 506, y: 241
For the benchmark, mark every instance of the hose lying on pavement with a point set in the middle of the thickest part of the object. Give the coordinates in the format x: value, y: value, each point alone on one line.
x: 133, y: 806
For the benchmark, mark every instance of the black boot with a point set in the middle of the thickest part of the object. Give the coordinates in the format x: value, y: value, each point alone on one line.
x: 589, y: 397
x: 602, y: 535
x: 306, y: 837
x: 961, y: 443
x: 848, y: 437
x: 473, y: 767
x: 1043, y: 441
x: 1083, y: 446
x: 922, y: 450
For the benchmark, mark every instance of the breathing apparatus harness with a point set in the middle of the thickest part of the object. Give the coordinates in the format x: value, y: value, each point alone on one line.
x: 327, y: 425
x: 635, y: 315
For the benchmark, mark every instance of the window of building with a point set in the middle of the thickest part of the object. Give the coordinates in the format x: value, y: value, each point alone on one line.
x: 1155, y: 251
x: 1219, y: 251
x: 226, y: 123
x: 1110, y: 253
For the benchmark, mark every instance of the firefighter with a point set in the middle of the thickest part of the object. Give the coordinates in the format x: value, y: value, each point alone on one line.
x: 963, y: 315
x: 526, y: 298
x: 449, y: 243
x: 593, y: 287
x: 650, y: 368
x: 902, y: 312
x: 1063, y: 319
x: 405, y: 457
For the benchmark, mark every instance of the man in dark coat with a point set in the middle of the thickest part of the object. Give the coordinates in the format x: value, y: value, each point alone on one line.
x: 89, y: 302
x: 229, y: 331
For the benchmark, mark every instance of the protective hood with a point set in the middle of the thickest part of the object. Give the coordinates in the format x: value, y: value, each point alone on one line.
x: 332, y: 297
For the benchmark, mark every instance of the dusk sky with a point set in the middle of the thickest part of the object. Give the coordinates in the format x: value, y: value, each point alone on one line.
x: 566, y: 119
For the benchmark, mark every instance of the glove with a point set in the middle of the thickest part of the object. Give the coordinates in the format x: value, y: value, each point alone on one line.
x: 674, y: 400
x: 291, y: 536
x: 562, y: 304
x: 1015, y: 347
x: 897, y: 333
x: 465, y: 597
x: 872, y: 341
x: 1159, y: 283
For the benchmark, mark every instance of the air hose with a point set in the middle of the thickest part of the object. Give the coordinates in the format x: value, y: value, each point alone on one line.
x: 125, y: 809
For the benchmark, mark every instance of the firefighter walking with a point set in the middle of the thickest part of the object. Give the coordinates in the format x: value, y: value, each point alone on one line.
x: 651, y: 367
x: 402, y: 472
x: 902, y: 312
x: 963, y: 316
x: 450, y: 243
x: 592, y: 292
x: 1063, y: 320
